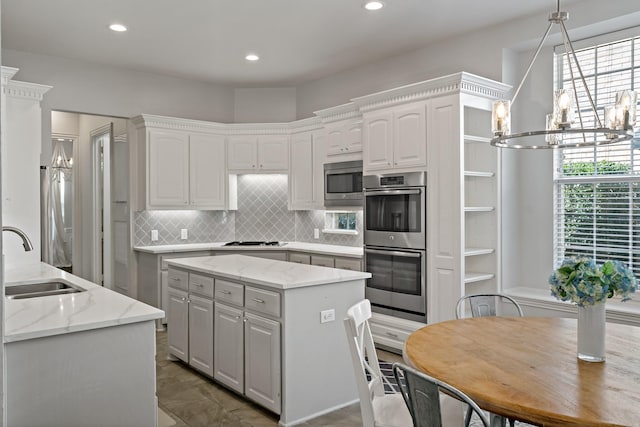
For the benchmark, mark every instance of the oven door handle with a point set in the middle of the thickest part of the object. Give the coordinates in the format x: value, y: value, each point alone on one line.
x: 391, y: 192
x: 394, y: 253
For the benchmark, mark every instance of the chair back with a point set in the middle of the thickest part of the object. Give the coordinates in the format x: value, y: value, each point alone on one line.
x: 484, y: 305
x: 364, y: 358
x: 422, y: 395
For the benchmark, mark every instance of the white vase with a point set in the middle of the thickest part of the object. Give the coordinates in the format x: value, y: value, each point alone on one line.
x: 591, y: 338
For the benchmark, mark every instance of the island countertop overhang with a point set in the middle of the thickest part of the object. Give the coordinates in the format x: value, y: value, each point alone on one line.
x: 266, y: 272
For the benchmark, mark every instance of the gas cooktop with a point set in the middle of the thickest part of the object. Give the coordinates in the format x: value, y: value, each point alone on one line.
x: 252, y: 243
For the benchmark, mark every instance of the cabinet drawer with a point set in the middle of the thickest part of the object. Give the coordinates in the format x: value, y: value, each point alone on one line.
x: 202, y: 285
x: 262, y: 301
x: 348, y: 264
x: 300, y: 258
x: 388, y: 336
x: 321, y: 260
x: 230, y: 292
x: 178, y: 279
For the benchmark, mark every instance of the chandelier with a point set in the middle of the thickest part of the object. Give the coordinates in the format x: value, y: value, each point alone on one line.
x: 561, y: 125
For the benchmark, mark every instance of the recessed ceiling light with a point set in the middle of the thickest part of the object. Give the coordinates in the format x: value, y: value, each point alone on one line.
x: 117, y: 27
x: 252, y: 57
x: 373, y: 5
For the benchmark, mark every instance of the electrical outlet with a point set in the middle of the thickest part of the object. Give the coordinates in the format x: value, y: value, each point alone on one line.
x: 316, y: 233
x: 327, y: 316
x: 154, y: 235
x: 184, y: 234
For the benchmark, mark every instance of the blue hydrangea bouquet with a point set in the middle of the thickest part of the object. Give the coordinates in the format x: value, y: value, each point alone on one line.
x: 582, y: 281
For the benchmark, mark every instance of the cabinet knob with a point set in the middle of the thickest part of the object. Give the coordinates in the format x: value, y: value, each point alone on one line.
x: 388, y: 163
x: 342, y: 149
x: 261, y: 166
x: 346, y: 149
x: 253, y: 166
x: 244, y: 320
x: 396, y: 163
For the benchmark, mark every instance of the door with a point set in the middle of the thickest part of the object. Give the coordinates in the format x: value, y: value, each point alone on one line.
x: 410, y: 136
x: 262, y: 361
x: 201, y: 334
x: 273, y: 153
x: 243, y: 153
x: 101, y: 147
x: 228, y: 347
x: 301, y: 175
x: 178, y: 324
x: 378, y: 150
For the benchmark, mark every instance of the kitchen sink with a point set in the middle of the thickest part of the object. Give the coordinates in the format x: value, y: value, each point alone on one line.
x: 42, y: 289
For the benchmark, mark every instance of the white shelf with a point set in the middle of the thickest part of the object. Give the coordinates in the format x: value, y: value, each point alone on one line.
x: 476, y: 139
x: 478, y: 251
x: 479, y: 208
x: 470, y: 277
x: 479, y: 174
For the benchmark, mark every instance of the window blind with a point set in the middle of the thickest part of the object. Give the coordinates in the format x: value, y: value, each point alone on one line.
x: 597, y: 189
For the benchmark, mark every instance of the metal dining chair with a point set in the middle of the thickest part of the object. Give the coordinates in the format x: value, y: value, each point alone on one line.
x: 422, y: 396
x: 378, y: 409
x: 486, y: 305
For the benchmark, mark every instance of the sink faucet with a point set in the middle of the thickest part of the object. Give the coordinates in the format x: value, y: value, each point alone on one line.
x: 26, y: 243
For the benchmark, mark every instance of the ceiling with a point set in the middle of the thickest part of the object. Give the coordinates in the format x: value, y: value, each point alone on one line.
x: 207, y: 40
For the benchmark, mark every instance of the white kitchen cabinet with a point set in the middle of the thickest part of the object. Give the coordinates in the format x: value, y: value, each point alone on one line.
x: 178, y: 327
x: 153, y: 279
x: 302, y: 189
x: 201, y: 334
x: 344, y: 138
x: 262, y: 361
x: 180, y: 169
x: 264, y: 153
x: 228, y: 344
x: 396, y: 138
x: 449, y: 117
x: 168, y: 168
x: 207, y: 172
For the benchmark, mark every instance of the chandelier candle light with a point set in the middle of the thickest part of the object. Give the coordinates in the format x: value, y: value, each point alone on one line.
x: 561, y: 129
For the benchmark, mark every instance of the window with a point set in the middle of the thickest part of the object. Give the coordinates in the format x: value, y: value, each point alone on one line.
x: 597, y: 189
x: 340, y: 222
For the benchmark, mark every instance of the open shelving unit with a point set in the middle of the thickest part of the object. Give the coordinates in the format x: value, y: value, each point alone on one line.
x: 481, y: 204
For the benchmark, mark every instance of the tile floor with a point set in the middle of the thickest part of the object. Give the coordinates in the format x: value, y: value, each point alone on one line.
x: 194, y: 400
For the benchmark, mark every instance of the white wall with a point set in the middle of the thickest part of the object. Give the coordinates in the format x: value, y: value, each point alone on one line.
x: 265, y: 105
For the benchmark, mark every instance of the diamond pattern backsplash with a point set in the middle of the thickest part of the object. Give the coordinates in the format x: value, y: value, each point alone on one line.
x: 262, y: 215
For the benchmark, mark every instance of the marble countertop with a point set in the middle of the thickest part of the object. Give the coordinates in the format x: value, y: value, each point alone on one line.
x: 335, y: 250
x: 272, y: 273
x: 54, y: 315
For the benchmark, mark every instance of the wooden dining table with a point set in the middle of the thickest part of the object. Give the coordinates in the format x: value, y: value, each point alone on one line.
x: 527, y: 368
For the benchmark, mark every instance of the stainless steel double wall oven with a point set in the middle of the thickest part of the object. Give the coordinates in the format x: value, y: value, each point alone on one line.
x: 395, y: 239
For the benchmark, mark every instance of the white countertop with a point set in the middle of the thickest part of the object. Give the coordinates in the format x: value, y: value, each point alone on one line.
x: 53, y: 315
x: 267, y: 272
x: 335, y: 250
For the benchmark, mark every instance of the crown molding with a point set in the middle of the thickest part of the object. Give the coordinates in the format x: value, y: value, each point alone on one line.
x: 306, y: 125
x: 24, y: 90
x: 452, y: 84
x: 8, y: 73
x: 338, y: 113
x: 173, y: 123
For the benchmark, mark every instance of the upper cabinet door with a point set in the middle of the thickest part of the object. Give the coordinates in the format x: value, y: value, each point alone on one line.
x: 353, y: 137
x: 207, y: 171
x: 273, y: 153
x: 301, y: 172
x: 410, y: 136
x: 335, y: 144
x: 378, y: 150
x: 242, y: 153
x: 168, y: 169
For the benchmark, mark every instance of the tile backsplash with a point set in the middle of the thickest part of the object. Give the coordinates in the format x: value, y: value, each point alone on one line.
x: 262, y: 215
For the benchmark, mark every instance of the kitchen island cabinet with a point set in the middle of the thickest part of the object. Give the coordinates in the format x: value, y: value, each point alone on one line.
x: 278, y: 331
x: 80, y: 359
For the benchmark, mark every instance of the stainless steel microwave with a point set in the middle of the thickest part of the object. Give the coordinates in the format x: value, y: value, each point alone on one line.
x: 343, y: 184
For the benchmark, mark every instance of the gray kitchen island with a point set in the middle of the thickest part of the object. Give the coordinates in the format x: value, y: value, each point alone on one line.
x: 270, y: 330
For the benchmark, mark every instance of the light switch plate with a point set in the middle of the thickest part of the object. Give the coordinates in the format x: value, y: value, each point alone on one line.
x: 154, y: 235
x: 316, y: 233
x: 184, y: 234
